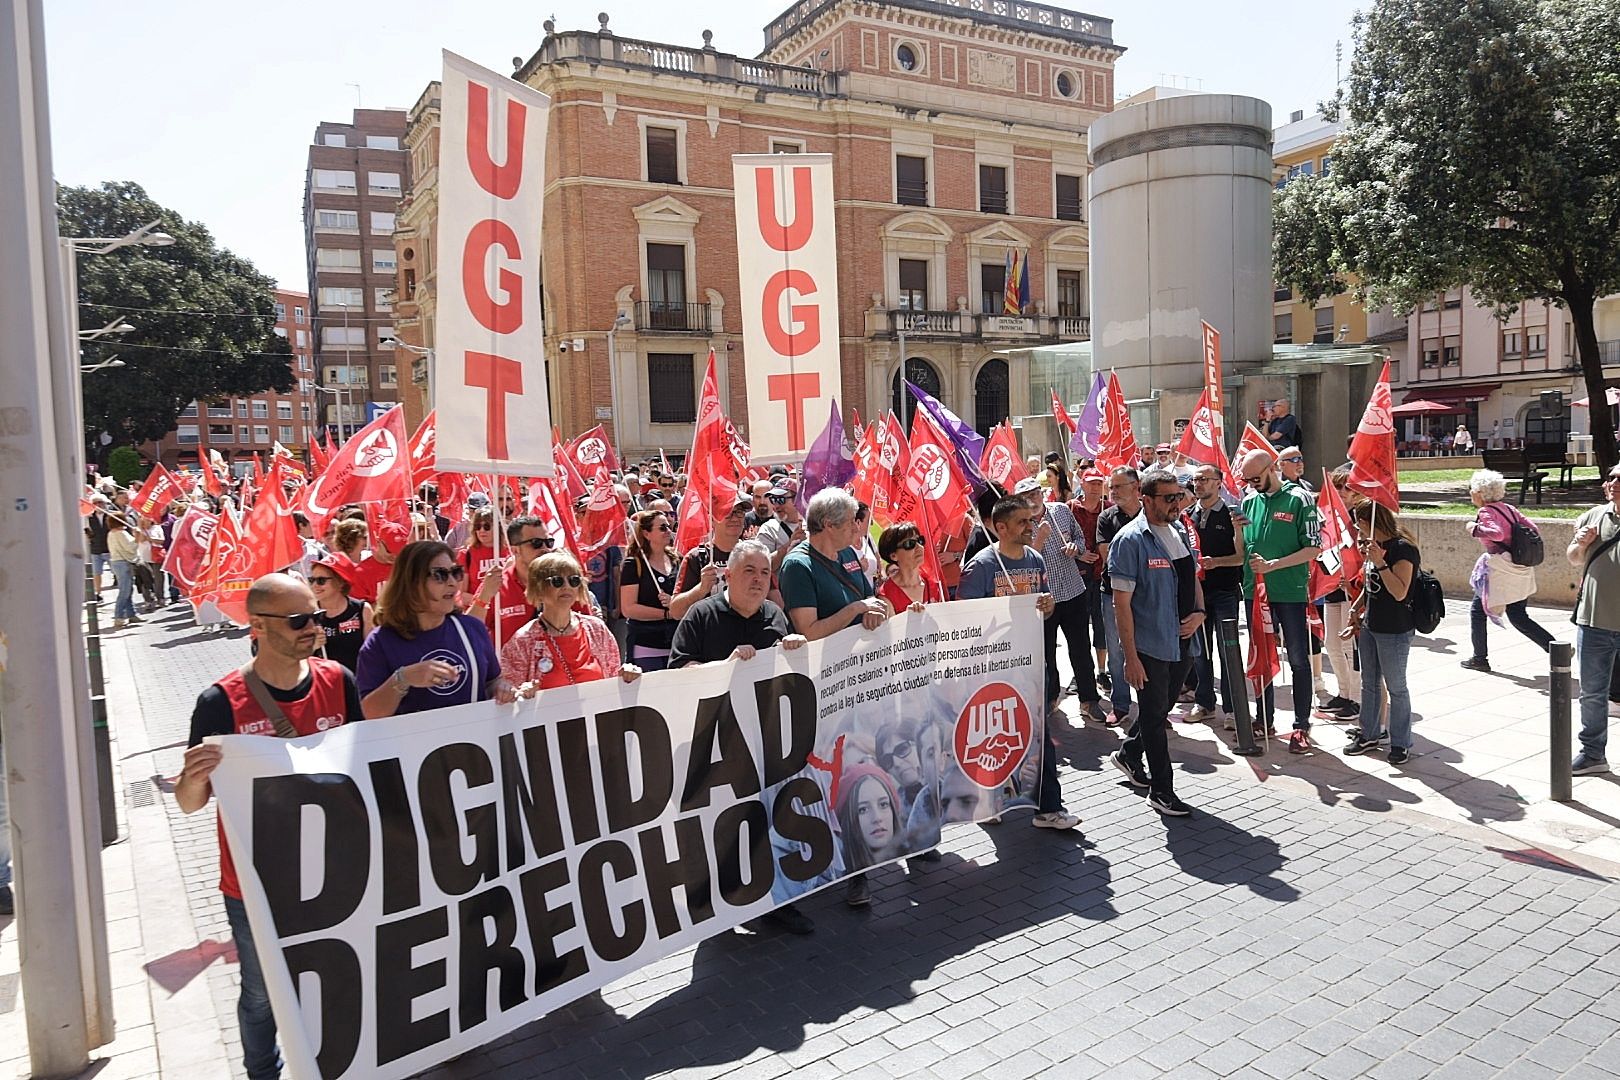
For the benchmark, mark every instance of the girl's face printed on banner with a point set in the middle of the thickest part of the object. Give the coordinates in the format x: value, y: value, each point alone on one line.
x: 877, y: 816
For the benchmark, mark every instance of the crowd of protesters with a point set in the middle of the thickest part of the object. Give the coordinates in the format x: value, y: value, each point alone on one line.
x: 1133, y: 568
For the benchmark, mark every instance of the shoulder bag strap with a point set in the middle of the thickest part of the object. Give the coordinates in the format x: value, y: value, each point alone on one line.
x: 475, y: 683
x: 1603, y: 545
x: 842, y: 574
x: 261, y: 694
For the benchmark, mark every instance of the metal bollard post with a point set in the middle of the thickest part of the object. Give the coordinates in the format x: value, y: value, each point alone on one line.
x: 1559, y: 702
x: 1232, y: 668
x: 98, y: 709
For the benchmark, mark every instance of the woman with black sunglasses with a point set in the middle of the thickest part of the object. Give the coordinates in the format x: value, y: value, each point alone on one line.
x: 646, y: 587
x: 903, y: 549
x: 345, y: 621
x: 560, y: 646
x: 425, y: 654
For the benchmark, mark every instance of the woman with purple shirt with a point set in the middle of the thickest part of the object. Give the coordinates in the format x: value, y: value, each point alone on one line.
x: 1500, y: 584
x: 424, y: 653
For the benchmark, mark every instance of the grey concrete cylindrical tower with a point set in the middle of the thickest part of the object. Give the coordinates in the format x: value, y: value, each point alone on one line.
x: 1180, y: 208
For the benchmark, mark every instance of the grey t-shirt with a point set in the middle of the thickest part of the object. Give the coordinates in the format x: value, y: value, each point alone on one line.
x: 1599, y: 603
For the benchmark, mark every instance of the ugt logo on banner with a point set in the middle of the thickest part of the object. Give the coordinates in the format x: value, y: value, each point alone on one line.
x: 489, y: 367
x: 789, y: 265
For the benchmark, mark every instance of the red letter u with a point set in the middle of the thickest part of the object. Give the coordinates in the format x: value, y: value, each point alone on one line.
x: 785, y: 237
x: 500, y: 180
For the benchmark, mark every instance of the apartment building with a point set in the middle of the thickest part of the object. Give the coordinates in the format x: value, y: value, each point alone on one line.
x: 957, y: 132
x: 416, y: 227
x: 355, y: 175
x: 240, y: 427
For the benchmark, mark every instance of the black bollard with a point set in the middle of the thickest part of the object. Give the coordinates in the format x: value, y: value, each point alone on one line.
x: 1232, y: 668
x: 1558, y: 704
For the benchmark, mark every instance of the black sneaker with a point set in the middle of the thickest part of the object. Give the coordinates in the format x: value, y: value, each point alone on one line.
x: 858, y: 893
x: 1105, y: 682
x: 1359, y: 745
x: 1399, y: 755
x: 788, y: 918
x: 1133, y: 772
x: 1352, y: 711
x: 1476, y: 663
x: 1168, y: 805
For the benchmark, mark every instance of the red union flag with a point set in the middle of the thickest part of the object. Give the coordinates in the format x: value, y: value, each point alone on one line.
x: 1001, y: 462
x: 1372, y: 449
x: 788, y: 263
x: 372, y: 467
x: 156, y: 494
x: 489, y: 376
x: 1212, y: 386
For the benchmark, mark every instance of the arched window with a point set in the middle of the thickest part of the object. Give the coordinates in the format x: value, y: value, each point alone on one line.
x: 919, y: 373
x: 991, y: 398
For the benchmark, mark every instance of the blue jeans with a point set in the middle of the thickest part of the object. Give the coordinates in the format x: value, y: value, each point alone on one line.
x: 1219, y: 604
x: 1296, y: 639
x: 1120, y: 693
x: 99, y: 561
x: 260, y: 1058
x: 1050, y: 800
x: 5, y: 825
x: 1597, y: 650
x: 1383, y: 659
x: 124, y: 575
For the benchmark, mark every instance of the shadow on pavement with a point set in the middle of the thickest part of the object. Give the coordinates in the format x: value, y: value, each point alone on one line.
x: 1214, y: 849
x: 748, y: 991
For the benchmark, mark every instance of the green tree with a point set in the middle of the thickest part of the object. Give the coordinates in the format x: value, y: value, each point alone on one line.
x: 204, y: 317
x: 125, y: 465
x: 1481, y: 147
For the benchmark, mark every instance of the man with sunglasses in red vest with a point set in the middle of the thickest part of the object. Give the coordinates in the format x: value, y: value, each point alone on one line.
x: 284, y: 690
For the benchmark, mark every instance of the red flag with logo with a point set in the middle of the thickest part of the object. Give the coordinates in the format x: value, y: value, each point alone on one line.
x: 1263, y: 664
x: 880, y: 462
x: 1000, y: 461
x: 1201, y: 442
x: 372, y: 467
x: 160, y: 489
x: 1061, y: 415
x: 1372, y: 449
x: 593, y: 448
x: 227, y: 572
x: 188, y: 548
x: 935, y: 496
x: 269, y: 533
x: 1116, y: 441
x: 424, y: 453
x: 452, y: 489
x: 696, y: 512
x: 318, y: 456
x: 1340, y: 562
x: 1254, y: 439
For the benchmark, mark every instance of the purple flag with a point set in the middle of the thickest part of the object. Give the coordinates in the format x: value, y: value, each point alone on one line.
x: 1084, y: 440
x: 969, y: 444
x: 830, y: 462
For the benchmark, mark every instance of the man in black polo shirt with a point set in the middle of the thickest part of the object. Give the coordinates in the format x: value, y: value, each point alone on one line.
x: 1221, y: 547
x: 735, y: 624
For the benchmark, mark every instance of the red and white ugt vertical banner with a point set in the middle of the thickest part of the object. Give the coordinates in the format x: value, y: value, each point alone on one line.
x: 489, y: 372
x: 788, y: 265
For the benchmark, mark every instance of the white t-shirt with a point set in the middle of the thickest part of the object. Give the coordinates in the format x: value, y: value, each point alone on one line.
x: 1171, y: 540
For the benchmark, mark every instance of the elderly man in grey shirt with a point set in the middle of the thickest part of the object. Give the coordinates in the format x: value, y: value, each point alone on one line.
x: 1596, y: 551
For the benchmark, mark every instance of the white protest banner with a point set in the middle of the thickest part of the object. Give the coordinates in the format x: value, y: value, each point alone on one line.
x: 787, y: 260
x: 489, y: 370
x: 422, y: 885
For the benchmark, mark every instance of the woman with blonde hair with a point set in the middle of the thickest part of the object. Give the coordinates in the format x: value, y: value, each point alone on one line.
x: 1381, y: 621
x: 424, y: 653
x: 646, y: 587
x: 349, y: 537
x: 1500, y: 584
x: 559, y: 646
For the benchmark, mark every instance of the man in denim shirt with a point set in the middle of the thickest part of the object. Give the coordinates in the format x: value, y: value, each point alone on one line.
x: 1158, y: 607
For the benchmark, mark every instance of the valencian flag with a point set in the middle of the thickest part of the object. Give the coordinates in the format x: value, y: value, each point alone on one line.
x: 1015, y: 293
x: 1001, y: 463
x: 1061, y: 415
x: 1263, y: 665
x: 1372, y: 449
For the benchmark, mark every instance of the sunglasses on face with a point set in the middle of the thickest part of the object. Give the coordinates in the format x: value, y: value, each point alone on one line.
x: 322, y: 580
x: 483, y: 528
x: 294, y: 622
x: 1292, y: 460
x: 899, y: 749
x: 537, y: 543
x: 442, y: 574
x: 1172, y: 497
x: 660, y: 527
x: 777, y: 500
x: 1254, y: 481
x: 910, y: 543
x: 557, y: 581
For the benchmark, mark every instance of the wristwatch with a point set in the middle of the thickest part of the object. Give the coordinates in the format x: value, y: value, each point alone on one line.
x: 398, y: 679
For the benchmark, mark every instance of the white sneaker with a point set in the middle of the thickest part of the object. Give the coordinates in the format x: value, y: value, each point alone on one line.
x: 1198, y: 714
x: 1056, y: 819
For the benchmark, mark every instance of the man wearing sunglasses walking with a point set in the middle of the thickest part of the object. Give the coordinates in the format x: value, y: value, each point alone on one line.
x: 504, y: 588
x: 284, y: 690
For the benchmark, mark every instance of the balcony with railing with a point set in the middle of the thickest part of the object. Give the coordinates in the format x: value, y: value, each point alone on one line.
x: 1009, y: 14
x: 967, y: 326
x: 663, y: 317
x: 931, y: 324
x: 706, y: 63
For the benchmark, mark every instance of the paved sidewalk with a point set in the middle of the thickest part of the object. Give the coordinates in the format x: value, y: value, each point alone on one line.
x: 1319, y: 917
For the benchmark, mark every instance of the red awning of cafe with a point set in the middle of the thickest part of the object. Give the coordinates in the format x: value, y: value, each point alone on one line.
x: 1450, y: 394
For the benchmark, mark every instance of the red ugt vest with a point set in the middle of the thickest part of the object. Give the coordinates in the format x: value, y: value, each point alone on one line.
x: 323, y: 708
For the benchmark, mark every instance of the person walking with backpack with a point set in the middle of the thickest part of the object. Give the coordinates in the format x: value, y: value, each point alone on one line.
x: 1383, y: 624
x: 1504, y: 578
x: 1595, y: 551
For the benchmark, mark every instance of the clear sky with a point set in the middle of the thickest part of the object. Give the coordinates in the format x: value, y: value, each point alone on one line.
x: 211, y: 108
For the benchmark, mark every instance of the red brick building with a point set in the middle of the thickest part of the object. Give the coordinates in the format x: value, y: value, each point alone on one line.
x: 240, y: 427
x: 957, y: 134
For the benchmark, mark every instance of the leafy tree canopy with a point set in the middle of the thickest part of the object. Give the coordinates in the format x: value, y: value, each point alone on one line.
x: 204, y: 317
x: 1481, y: 147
